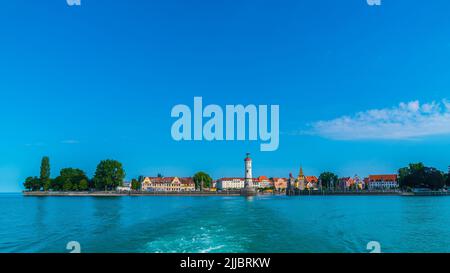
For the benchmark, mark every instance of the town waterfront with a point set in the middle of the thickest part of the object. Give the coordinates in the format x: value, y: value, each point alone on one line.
x: 281, y: 224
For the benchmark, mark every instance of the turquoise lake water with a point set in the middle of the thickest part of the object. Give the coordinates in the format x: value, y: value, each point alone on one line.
x: 225, y: 224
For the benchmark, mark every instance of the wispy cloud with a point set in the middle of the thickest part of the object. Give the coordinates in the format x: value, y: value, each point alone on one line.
x: 35, y: 144
x: 409, y: 120
x: 70, y: 141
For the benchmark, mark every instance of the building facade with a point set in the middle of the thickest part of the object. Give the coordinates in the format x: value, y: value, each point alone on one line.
x: 383, y: 182
x: 312, y: 183
x: 187, y: 184
x: 344, y: 183
x: 230, y: 183
x: 167, y: 184
x: 280, y: 184
x: 263, y: 182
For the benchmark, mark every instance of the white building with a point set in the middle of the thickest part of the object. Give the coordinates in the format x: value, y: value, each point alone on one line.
x: 230, y: 183
x: 381, y: 182
x: 125, y: 188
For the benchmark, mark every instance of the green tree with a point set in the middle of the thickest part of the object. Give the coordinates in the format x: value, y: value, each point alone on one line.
x: 57, y: 183
x: 202, y: 180
x: 32, y: 183
x: 136, y: 185
x: 328, y: 178
x: 109, y: 175
x: 45, y: 182
x: 45, y: 168
x: 28, y: 185
x: 402, y: 174
x: 84, y: 185
x: 419, y: 176
x: 74, y: 176
x: 67, y: 185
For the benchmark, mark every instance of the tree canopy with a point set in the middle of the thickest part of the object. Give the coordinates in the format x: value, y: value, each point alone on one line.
x: 70, y: 179
x: 45, y: 168
x: 32, y: 183
x: 202, y: 180
x: 136, y: 185
x: 109, y: 175
x: 417, y: 175
x: 328, y: 179
x: 44, y: 180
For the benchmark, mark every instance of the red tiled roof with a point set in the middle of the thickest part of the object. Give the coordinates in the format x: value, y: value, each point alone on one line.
x: 262, y: 178
x: 383, y: 177
x: 187, y: 180
x: 161, y: 179
x: 311, y: 179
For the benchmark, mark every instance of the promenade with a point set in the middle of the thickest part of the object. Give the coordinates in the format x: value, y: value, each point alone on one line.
x: 199, y: 194
x: 115, y: 193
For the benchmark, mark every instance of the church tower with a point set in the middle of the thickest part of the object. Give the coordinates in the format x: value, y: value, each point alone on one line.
x: 300, y: 180
x: 248, y: 172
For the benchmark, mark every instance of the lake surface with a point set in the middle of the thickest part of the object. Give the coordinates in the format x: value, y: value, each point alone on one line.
x: 225, y: 224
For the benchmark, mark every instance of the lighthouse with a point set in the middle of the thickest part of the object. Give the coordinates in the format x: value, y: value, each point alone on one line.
x: 248, y: 172
x: 249, y: 189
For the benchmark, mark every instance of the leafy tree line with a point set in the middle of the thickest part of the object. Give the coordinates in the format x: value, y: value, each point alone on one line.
x: 108, y: 175
x: 417, y: 175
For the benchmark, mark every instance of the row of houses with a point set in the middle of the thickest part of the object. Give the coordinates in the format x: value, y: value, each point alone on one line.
x: 186, y: 184
x: 302, y: 182
x: 372, y: 182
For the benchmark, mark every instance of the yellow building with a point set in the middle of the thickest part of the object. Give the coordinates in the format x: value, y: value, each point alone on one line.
x: 167, y: 184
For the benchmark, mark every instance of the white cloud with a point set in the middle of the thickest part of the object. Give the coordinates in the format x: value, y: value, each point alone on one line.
x: 406, y: 121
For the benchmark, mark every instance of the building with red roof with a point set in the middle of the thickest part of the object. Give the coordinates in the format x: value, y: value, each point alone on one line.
x: 168, y: 184
x: 383, y: 181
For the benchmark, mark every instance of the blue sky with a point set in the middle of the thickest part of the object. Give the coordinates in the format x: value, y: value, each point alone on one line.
x: 97, y: 81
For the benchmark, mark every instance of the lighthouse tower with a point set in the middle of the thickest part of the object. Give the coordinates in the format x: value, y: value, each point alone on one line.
x: 249, y: 189
x: 248, y: 172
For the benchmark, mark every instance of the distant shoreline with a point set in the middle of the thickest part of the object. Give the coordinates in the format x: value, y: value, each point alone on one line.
x: 117, y: 194
x: 194, y: 194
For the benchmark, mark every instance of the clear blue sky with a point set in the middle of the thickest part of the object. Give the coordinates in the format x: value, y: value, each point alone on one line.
x: 81, y: 84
